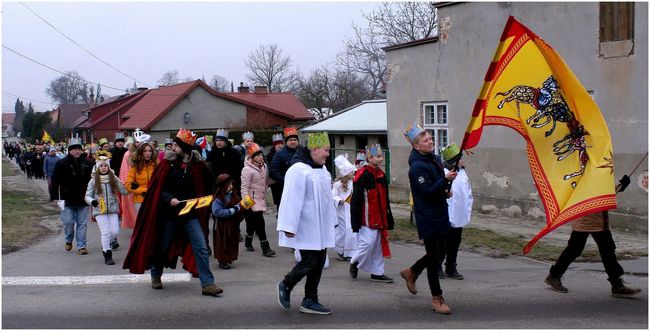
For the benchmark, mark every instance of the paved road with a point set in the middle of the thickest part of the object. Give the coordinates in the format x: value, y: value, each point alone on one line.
x: 496, y: 293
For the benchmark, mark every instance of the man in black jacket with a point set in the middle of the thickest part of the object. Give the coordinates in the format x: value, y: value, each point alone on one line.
x: 117, y: 153
x: 282, y: 160
x: 224, y: 159
x: 71, y: 176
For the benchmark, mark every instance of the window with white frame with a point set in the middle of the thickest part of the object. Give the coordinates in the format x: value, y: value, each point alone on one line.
x: 436, y: 122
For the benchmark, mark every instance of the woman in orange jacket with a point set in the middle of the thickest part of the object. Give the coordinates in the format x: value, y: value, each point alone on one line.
x: 142, y: 165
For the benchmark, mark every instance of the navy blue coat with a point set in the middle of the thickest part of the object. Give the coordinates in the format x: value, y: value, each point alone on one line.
x: 428, y: 185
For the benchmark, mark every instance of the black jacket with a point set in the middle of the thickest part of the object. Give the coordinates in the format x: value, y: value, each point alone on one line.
x: 71, y: 177
x: 428, y: 185
x: 226, y: 160
x: 117, y: 154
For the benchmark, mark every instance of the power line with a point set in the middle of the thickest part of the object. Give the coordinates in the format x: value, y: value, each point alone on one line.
x: 61, y: 72
x: 32, y: 100
x: 74, y: 42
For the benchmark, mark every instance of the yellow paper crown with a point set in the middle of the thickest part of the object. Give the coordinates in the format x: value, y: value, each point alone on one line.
x: 103, y: 155
x: 318, y: 139
x: 186, y: 136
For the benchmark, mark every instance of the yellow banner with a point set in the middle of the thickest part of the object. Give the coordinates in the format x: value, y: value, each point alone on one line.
x: 530, y: 89
x: 204, y: 201
x: 47, y: 138
x: 188, y: 206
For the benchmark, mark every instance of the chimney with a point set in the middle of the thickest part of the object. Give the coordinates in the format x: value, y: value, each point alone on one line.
x: 242, y: 88
x: 261, y: 90
x: 92, y: 100
x: 140, y: 89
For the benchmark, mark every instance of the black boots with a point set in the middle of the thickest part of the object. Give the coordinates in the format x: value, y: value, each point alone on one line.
x: 108, y: 257
x: 266, y: 249
x: 452, y: 272
x: 249, y: 244
x: 555, y: 282
x: 619, y: 290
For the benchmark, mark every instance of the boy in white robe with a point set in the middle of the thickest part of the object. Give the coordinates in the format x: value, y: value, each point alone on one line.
x: 306, y: 220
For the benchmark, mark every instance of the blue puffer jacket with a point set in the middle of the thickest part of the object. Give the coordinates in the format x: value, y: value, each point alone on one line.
x: 281, y: 163
x: 428, y: 184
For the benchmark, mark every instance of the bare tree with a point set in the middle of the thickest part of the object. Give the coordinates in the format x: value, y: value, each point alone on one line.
x: 391, y: 23
x: 219, y: 83
x: 170, y: 77
x: 70, y: 88
x: 269, y: 67
x: 314, y: 92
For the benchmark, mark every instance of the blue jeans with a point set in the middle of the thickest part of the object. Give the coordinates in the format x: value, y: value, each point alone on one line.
x: 71, y: 216
x: 199, y: 247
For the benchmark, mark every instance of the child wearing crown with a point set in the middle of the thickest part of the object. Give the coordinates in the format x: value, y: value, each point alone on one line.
x: 101, y: 194
x: 371, y: 217
x: 342, y: 193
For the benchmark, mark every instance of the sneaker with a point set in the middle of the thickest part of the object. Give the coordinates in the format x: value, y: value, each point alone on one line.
x: 439, y: 306
x: 212, y: 290
x: 115, y: 245
x: 556, y: 284
x: 68, y: 246
x: 354, y: 270
x: 381, y: 278
x: 619, y: 290
x: 454, y: 275
x: 284, y: 295
x: 310, y: 306
x: 83, y: 251
x: 410, y: 278
x: 224, y: 266
x: 340, y: 257
x: 156, y: 283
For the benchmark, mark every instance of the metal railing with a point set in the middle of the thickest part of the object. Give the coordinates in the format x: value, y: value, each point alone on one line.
x: 352, y: 155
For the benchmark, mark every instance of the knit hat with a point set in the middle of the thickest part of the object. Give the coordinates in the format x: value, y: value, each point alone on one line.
x: 343, y: 165
x: 253, y: 150
x: 290, y: 132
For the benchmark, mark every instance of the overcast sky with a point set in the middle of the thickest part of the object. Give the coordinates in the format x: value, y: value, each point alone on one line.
x: 146, y: 39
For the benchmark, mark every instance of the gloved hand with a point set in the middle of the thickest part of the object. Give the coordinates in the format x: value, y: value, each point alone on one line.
x: 237, y: 208
x: 134, y: 186
x: 95, y: 203
x: 625, y: 181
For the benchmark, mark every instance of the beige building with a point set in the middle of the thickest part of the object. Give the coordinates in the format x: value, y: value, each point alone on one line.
x: 437, y: 80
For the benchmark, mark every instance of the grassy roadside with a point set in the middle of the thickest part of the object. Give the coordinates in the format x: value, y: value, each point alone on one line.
x: 493, y: 244
x: 21, y: 214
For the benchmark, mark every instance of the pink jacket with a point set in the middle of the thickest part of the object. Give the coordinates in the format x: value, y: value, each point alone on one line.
x: 254, y: 183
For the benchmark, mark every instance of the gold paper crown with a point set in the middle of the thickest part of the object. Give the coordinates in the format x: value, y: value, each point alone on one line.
x: 186, y: 136
x: 102, y: 141
x: 103, y: 155
x: 318, y: 139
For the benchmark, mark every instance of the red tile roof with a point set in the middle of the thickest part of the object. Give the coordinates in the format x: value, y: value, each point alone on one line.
x: 69, y: 113
x: 8, y: 118
x: 285, y: 104
x: 155, y: 104
x: 82, y: 122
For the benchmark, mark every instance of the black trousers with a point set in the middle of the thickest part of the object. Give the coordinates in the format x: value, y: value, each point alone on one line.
x: 449, y: 250
x: 577, y: 241
x: 430, y: 262
x: 311, y: 265
x: 255, y: 224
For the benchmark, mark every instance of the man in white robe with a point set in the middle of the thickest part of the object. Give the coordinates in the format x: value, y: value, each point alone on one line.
x: 306, y: 220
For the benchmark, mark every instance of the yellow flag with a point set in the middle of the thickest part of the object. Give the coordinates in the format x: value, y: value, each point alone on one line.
x: 46, y: 137
x: 204, y: 201
x: 188, y: 206
x: 530, y: 89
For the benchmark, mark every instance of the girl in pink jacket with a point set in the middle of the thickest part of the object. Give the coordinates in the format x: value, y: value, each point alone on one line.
x: 254, y: 177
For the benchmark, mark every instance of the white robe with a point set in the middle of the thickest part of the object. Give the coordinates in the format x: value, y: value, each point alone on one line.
x: 345, y: 243
x: 368, y: 251
x: 306, y: 209
x: 460, y: 204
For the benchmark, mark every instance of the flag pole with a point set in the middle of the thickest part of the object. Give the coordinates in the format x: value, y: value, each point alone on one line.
x: 618, y: 187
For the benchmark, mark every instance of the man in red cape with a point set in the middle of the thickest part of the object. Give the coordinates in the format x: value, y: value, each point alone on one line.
x: 160, y: 235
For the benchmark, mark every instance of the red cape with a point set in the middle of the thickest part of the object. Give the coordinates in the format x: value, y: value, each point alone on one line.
x: 148, y: 228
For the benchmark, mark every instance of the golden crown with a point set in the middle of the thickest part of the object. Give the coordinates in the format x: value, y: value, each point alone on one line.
x: 318, y: 139
x: 186, y: 136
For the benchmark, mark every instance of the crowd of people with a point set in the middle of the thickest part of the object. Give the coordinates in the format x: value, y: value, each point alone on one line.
x: 134, y: 183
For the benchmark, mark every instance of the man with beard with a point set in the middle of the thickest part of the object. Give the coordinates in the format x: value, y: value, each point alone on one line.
x: 161, y: 235
x: 71, y: 176
x: 282, y: 160
x: 117, y: 153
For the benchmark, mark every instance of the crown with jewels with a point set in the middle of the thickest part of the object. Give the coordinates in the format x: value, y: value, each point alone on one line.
x: 222, y: 133
x: 290, y: 131
x: 277, y: 137
x: 247, y: 135
x: 318, y: 139
x: 412, y: 132
x: 373, y: 150
x: 137, y: 133
x: 186, y: 136
x: 103, y: 155
x: 74, y: 141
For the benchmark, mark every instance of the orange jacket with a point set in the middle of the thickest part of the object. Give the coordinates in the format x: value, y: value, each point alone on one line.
x: 142, y: 178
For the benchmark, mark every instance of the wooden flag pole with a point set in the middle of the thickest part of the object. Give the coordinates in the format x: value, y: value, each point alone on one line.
x: 618, y: 187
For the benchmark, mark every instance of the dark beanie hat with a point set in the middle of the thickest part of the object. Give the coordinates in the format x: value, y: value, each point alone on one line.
x: 187, y: 149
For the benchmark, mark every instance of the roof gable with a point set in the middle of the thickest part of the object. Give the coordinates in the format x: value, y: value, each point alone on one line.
x: 284, y: 103
x: 69, y: 113
x: 367, y: 117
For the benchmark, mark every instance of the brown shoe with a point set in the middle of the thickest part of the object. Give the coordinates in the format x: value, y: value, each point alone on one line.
x: 68, y: 246
x: 156, y: 283
x: 410, y: 278
x: 212, y: 290
x: 83, y: 251
x: 438, y: 304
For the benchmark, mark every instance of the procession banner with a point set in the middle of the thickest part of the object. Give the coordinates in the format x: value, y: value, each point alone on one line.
x: 188, y: 206
x: 204, y: 201
x: 47, y: 138
x: 530, y: 89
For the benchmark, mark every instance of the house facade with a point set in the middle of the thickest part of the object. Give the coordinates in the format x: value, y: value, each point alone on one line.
x: 436, y: 81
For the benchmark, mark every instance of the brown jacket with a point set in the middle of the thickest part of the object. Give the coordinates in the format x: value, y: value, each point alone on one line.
x: 595, y: 222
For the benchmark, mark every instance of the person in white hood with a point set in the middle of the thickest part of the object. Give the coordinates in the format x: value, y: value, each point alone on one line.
x: 306, y: 220
x: 342, y: 193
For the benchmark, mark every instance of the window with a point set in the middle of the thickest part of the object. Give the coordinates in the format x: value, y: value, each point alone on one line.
x: 436, y: 122
x: 362, y: 142
x: 616, y: 21
x: 341, y: 140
